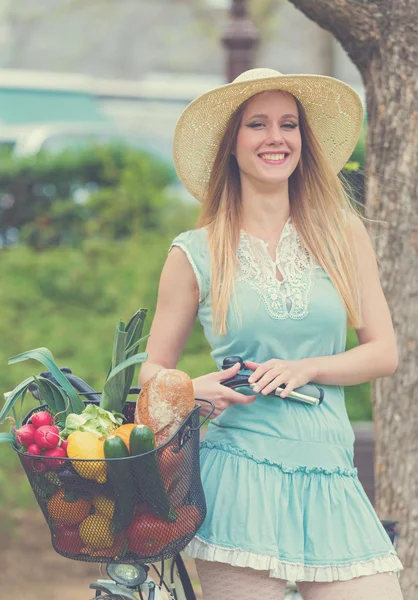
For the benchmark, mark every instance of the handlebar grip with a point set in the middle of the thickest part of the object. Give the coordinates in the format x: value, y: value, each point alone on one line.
x: 308, y: 394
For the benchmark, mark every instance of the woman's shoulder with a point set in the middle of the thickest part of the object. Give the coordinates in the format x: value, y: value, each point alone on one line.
x: 192, y: 238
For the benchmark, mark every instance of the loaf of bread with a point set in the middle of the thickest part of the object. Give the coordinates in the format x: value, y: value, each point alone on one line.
x: 164, y: 402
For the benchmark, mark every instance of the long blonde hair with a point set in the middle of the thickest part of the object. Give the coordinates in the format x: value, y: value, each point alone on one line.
x: 320, y: 208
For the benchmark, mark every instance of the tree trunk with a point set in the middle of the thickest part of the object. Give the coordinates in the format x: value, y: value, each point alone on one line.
x: 381, y: 38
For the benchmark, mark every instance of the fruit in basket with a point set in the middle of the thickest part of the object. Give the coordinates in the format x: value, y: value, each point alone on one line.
x: 149, y: 535
x: 164, y: 403
x: 47, y: 437
x: 65, y: 511
x: 95, y: 532
x: 68, y: 539
x: 41, y: 418
x: 104, y: 506
x: 25, y: 435
x: 118, y: 548
x: 124, y: 431
x: 84, y: 445
x: 147, y: 473
x: 54, y: 453
x: 120, y: 475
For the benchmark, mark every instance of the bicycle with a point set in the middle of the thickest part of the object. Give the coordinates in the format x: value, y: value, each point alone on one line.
x: 132, y: 580
x: 162, y: 573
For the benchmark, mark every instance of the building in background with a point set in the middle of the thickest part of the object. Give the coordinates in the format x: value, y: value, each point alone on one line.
x: 130, y: 40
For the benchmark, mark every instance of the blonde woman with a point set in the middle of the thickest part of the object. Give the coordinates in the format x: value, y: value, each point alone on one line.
x: 278, y: 266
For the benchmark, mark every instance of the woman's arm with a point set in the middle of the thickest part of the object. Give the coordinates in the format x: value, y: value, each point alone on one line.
x: 177, y: 303
x: 376, y: 355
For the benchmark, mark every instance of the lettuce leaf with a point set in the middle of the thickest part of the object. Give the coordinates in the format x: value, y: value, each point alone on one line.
x: 96, y: 420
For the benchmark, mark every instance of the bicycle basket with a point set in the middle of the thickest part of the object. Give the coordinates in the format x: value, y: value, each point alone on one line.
x: 153, y: 517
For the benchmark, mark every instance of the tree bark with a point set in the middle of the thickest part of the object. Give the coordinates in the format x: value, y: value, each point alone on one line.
x: 381, y: 38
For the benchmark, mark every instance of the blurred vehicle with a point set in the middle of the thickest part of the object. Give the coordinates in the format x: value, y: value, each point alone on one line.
x: 38, y: 97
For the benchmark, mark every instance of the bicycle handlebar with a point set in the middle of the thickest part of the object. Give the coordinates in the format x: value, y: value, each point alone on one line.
x: 307, y: 394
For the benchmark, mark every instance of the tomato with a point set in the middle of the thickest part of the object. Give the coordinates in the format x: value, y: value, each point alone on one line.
x: 149, y: 535
x: 68, y: 540
x: 188, y: 521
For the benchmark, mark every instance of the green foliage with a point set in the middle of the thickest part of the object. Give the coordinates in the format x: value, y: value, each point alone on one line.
x: 107, y: 191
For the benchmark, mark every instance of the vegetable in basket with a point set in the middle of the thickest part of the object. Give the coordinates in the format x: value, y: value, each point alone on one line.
x: 146, y: 472
x: 84, y: 445
x: 94, y: 420
x: 119, y: 473
x: 61, y: 397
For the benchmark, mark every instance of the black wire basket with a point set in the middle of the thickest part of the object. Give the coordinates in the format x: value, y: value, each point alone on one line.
x: 90, y: 520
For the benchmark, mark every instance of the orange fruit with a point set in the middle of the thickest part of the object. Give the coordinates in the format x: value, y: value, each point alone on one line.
x: 67, y: 512
x: 124, y: 431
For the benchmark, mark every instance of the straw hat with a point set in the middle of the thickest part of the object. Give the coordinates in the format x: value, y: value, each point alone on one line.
x: 333, y: 110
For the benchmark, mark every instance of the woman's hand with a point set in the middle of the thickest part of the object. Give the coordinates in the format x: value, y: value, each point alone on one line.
x: 209, y: 387
x: 275, y: 372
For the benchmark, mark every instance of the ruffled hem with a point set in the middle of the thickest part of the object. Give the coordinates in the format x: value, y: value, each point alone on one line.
x: 284, y: 468
x: 292, y: 571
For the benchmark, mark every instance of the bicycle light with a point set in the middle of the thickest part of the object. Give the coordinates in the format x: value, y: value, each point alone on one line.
x: 129, y: 575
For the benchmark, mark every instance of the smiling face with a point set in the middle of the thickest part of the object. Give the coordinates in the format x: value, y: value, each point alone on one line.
x: 269, y: 143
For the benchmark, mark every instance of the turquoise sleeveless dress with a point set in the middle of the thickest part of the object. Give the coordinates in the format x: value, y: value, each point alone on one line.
x: 281, y: 489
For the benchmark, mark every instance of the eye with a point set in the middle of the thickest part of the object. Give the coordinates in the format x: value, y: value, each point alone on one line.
x: 256, y: 124
x: 290, y: 125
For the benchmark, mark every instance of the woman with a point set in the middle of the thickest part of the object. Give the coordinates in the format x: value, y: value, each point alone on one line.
x: 279, y: 264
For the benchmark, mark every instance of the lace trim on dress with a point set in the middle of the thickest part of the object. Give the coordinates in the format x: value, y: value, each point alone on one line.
x: 287, y: 298
x: 293, y: 571
x: 230, y: 449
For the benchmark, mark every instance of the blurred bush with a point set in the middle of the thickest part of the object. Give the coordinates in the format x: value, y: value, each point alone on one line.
x: 106, y: 191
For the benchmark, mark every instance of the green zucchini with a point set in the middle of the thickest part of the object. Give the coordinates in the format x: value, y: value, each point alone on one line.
x: 147, y: 473
x: 119, y: 474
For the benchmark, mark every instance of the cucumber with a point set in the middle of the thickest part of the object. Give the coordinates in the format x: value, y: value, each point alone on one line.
x: 147, y: 473
x: 120, y: 475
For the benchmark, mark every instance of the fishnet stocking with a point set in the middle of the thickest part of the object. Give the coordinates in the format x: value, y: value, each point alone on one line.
x: 382, y: 586
x: 221, y: 581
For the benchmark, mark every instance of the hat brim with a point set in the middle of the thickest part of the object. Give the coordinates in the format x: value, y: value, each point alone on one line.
x: 333, y: 109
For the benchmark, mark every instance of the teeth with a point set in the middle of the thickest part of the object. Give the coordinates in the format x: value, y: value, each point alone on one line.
x: 273, y: 156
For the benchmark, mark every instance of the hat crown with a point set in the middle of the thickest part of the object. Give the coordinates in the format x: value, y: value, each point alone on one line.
x: 257, y: 74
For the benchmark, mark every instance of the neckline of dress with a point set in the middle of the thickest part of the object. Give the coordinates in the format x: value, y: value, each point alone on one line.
x: 285, y: 232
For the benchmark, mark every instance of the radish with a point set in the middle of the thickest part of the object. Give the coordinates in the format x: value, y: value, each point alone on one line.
x: 64, y: 444
x: 47, y: 436
x: 34, y: 450
x: 33, y: 464
x: 25, y: 435
x: 41, y: 418
x: 55, y: 453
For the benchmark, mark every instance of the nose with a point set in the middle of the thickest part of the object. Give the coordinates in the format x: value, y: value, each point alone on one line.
x: 275, y: 137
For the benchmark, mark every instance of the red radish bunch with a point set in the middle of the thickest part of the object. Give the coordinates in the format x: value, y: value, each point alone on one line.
x: 41, y: 418
x: 57, y: 452
x: 47, y: 437
x: 42, y: 438
x: 25, y: 436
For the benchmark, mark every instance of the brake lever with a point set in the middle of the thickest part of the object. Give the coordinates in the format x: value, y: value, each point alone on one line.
x: 307, y: 394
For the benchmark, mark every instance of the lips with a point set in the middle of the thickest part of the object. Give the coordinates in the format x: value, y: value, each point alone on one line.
x: 274, y: 158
